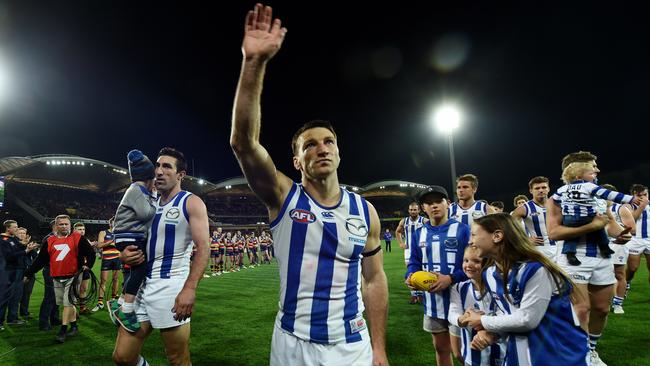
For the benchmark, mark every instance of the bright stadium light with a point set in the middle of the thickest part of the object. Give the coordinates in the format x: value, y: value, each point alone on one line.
x: 201, y: 181
x: 447, y: 118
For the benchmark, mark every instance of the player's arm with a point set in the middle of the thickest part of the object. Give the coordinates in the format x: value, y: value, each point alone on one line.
x: 399, y: 234
x: 375, y: 286
x: 262, y: 39
x: 627, y: 218
x: 100, y: 239
x: 200, y: 229
x: 519, y: 213
x: 557, y: 231
x: 640, y: 208
x: 489, y: 210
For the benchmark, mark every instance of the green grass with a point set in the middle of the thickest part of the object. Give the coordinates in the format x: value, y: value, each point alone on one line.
x: 234, y: 316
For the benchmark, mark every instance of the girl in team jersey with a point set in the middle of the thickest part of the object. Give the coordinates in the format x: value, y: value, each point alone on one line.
x: 533, y: 298
x: 468, y: 295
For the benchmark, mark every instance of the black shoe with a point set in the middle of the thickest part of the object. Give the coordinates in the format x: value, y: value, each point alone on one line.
x: 571, y: 257
x: 60, y: 338
x: 72, y: 332
x: 16, y: 322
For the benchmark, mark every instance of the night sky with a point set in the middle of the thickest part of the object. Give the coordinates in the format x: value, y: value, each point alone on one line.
x: 98, y: 78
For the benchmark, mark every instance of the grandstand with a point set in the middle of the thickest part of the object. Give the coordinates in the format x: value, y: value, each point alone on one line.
x: 37, y: 188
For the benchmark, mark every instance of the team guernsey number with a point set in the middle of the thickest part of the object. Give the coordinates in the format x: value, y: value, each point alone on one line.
x: 302, y: 216
x: 63, y: 249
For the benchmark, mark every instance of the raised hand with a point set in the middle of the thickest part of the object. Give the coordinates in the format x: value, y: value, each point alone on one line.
x: 263, y: 36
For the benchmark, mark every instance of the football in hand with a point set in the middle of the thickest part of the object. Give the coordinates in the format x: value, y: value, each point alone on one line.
x: 421, y: 280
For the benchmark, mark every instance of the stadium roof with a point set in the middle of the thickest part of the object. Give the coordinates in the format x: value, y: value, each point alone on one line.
x: 392, y: 188
x: 78, y: 172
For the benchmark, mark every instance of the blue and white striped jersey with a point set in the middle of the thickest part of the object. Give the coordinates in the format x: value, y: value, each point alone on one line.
x: 580, y: 198
x: 557, y: 339
x: 463, y: 297
x: 467, y: 216
x: 410, y: 226
x: 535, y: 222
x: 319, y: 256
x: 439, y: 249
x: 642, y: 223
x: 169, y: 243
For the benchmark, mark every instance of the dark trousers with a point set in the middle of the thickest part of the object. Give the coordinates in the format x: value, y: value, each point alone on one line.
x: 27, y: 294
x: 13, y: 293
x: 388, y: 249
x: 137, y: 273
x: 49, y: 312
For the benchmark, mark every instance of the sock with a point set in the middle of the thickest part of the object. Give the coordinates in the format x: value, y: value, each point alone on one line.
x: 127, y: 307
x: 593, y: 339
x: 73, y: 324
x: 142, y: 362
x: 617, y: 300
x: 100, y: 300
x: 64, y: 328
x: 120, y: 300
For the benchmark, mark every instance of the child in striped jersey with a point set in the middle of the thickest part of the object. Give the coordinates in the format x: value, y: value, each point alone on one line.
x: 467, y: 295
x: 581, y: 199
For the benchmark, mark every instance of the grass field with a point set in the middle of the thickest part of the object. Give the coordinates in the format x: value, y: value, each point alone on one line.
x: 233, y: 323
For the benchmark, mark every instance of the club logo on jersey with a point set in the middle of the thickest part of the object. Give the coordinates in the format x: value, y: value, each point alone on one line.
x: 356, y: 226
x: 451, y: 243
x: 302, y: 216
x: 173, y: 213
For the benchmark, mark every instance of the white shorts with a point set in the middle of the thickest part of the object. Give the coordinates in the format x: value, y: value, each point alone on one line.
x: 550, y: 251
x: 434, y: 325
x: 593, y: 270
x: 155, y: 301
x: 621, y: 252
x: 638, y: 246
x: 287, y: 349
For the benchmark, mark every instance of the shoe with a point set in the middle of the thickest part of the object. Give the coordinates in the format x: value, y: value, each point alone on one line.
x: 112, y: 306
x: 573, y: 260
x: 98, y: 307
x: 128, y: 321
x: 206, y: 276
x: 594, y: 359
x: 618, y: 309
x: 45, y: 328
x: 72, y: 332
x: 219, y: 273
x: 214, y: 275
x: 16, y: 322
x: 60, y: 338
x: 413, y: 300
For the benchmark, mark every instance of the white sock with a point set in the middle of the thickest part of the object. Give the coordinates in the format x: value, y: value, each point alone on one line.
x: 142, y: 362
x: 128, y: 307
x: 120, y: 300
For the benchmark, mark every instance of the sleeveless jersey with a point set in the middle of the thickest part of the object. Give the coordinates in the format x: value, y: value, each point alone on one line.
x: 642, y: 223
x: 410, y: 225
x: 170, y: 240
x: 467, y: 216
x: 110, y: 251
x: 319, y: 256
x: 535, y: 222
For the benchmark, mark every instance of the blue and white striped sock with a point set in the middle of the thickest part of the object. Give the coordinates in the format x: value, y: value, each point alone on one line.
x: 142, y: 362
x: 593, y: 340
x: 617, y: 300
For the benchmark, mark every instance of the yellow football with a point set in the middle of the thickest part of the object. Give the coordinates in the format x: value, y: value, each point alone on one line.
x: 422, y: 279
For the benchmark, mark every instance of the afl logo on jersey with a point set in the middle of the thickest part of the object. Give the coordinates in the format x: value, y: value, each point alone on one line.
x: 356, y: 226
x: 173, y: 213
x: 302, y: 216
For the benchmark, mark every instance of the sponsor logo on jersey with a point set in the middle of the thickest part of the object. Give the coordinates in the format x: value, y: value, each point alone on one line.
x: 477, y: 214
x: 302, y: 216
x: 356, y: 226
x: 327, y: 215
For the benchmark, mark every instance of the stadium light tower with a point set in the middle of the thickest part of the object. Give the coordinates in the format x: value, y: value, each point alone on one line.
x: 447, y: 118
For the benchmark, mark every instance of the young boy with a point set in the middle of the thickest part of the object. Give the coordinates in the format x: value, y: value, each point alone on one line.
x: 581, y: 199
x: 132, y: 222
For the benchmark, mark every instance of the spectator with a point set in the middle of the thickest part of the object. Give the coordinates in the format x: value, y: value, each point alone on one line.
x: 29, y: 285
x: 48, y: 315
